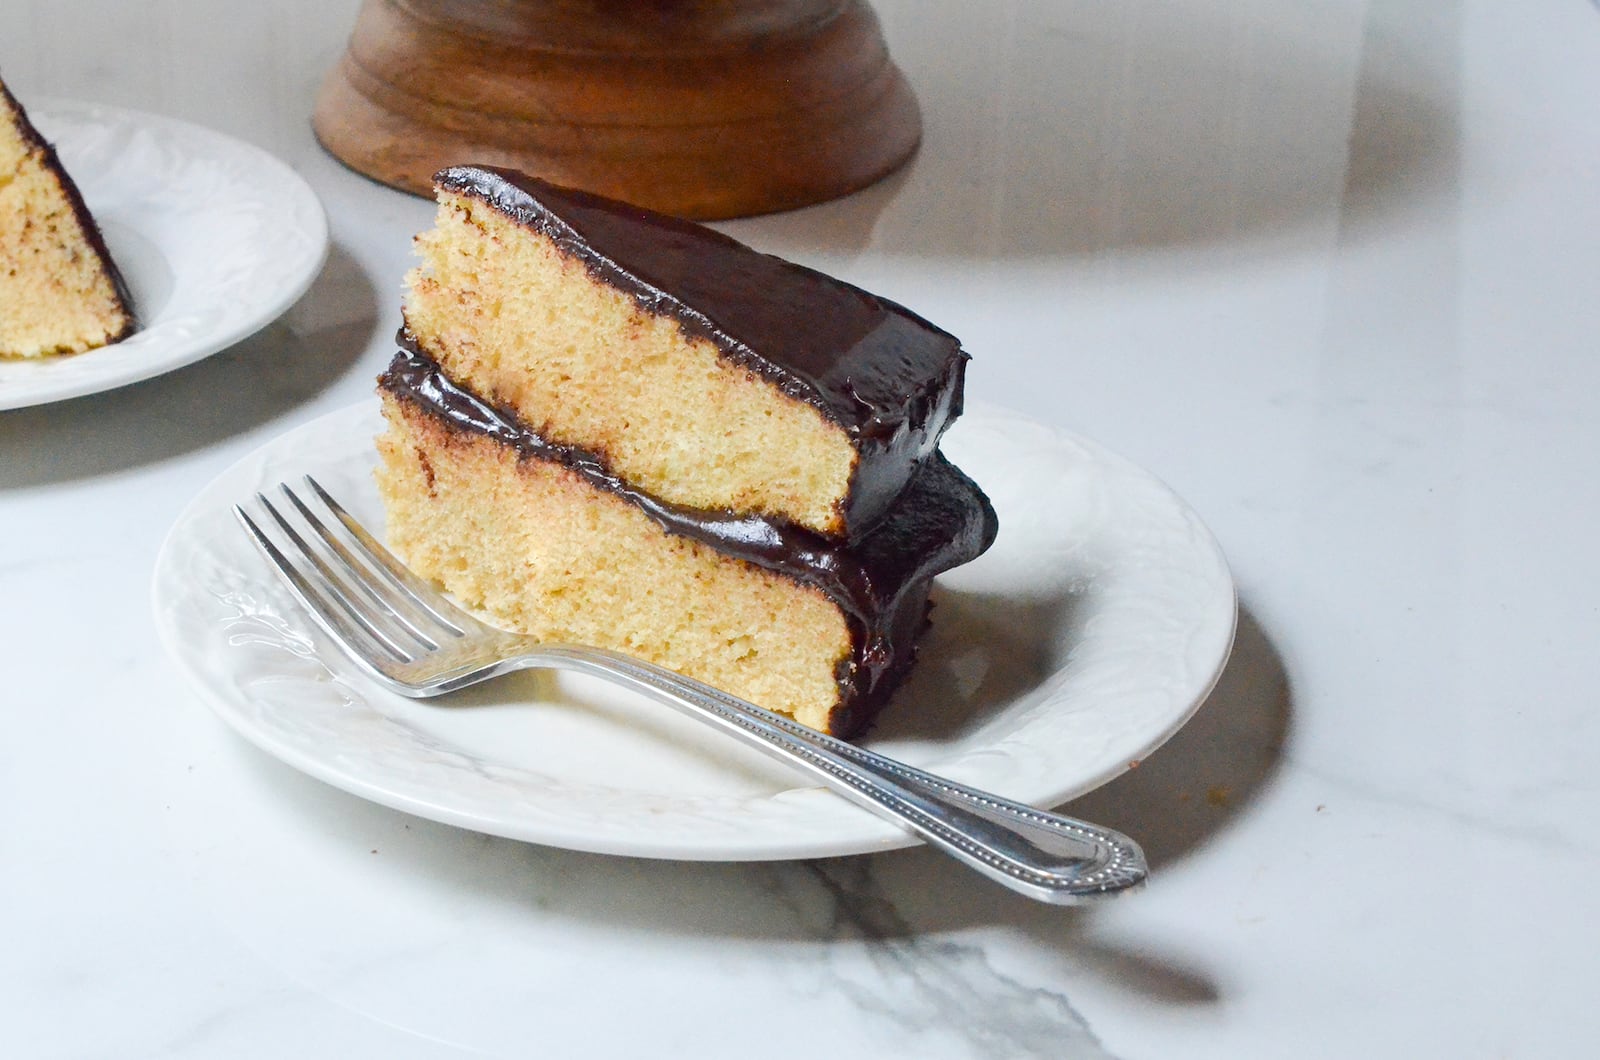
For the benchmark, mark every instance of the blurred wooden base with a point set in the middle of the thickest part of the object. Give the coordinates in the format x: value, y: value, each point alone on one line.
x: 702, y: 108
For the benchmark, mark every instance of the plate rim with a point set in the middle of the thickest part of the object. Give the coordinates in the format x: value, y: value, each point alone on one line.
x: 195, y: 348
x: 872, y: 835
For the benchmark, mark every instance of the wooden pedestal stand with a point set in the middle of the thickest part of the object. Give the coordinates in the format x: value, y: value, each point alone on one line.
x: 699, y: 108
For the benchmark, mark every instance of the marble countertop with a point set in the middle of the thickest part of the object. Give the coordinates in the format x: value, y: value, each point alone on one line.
x: 1329, y: 270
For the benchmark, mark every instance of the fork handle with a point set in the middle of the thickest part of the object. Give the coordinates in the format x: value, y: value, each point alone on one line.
x: 1043, y: 855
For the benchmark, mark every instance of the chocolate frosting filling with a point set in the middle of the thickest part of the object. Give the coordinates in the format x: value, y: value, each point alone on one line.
x: 941, y: 521
x: 891, y: 380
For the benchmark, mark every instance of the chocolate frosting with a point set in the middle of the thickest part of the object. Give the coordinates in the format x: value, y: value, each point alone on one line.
x: 880, y: 583
x: 891, y: 380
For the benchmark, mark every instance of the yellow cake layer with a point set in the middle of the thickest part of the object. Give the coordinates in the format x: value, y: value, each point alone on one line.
x: 511, y: 317
x: 543, y: 552
x: 55, y: 293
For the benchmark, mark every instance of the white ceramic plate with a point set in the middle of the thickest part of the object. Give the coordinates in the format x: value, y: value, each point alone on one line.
x: 1085, y: 637
x: 215, y: 238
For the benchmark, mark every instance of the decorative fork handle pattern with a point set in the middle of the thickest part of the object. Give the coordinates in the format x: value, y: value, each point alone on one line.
x: 1042, y: 855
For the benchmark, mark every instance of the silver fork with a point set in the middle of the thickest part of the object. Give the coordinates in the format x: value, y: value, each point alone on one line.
x: 407, y: 637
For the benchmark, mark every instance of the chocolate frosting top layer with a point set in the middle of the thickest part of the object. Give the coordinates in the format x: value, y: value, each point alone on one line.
x: 889, y: 378
x: 943, y: 520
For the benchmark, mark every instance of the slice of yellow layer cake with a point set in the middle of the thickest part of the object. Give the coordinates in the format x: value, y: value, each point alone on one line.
x: 59, y: 290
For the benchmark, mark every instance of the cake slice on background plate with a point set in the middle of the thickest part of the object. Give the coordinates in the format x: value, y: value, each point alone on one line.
x: 59, y: 290
x: 611, y: 427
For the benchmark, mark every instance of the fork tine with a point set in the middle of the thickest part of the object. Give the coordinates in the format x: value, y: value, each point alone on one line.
x: 333, y: 587
x: 358, y: 642
x: 401, y: 577
x: 379, y: 592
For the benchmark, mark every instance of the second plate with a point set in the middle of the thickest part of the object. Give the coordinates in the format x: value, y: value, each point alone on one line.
x: 215, y: 238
